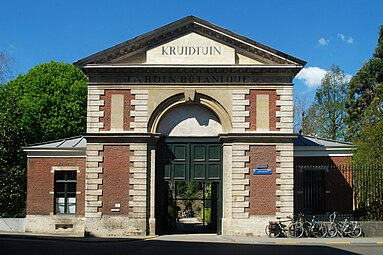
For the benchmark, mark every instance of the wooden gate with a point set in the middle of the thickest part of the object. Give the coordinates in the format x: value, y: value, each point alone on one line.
x: 188, y: 160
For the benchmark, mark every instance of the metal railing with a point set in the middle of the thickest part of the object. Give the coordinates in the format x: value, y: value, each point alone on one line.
x: 350, y: 190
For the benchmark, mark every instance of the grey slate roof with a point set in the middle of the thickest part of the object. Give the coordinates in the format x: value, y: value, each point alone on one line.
x: 316, y: 141
x: 308, y: 146
x: 71, y: 142
x: 68, y: 147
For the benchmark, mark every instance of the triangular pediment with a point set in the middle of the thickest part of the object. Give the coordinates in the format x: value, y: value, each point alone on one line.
x: 190, y: 41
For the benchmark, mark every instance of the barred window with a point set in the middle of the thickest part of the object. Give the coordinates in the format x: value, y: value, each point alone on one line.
x: 65, y: 192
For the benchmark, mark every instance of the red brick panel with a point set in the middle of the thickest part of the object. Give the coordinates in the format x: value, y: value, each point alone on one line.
x: 41, y: 182
x: 323, y: 161
x: 340, y: 160
x: 273, y: 108
x: 262, y: 187
x: 116, y: 179
x: 108, y: 104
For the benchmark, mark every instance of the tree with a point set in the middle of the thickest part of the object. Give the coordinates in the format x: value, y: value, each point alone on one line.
x: 301, y: 108
x: 365, y: 108
x: 326, y: 115
x: 49, y: 102
x: 52, y: 97
x: 369, y: 139
x: 369, y: 145
x: 365, y: 92
x: 12, y: 158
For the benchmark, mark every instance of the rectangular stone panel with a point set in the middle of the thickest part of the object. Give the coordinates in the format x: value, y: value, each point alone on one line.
x: 262, y: 112
x: 117, y: 112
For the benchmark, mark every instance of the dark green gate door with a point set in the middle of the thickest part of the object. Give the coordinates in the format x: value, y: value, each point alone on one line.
x: 189, y: 174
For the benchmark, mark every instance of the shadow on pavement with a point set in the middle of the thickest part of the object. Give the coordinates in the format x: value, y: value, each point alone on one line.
x: 94, y: 246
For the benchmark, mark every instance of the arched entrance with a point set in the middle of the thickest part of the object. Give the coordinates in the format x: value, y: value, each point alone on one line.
x: 189, y: 169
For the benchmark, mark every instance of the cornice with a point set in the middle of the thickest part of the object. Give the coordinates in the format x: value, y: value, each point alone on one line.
x: 291, y: 69
x: 119, y: 138
x: 257, y: 137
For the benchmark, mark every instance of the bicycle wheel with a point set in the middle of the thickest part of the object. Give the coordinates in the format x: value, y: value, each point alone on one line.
x: 267, y: 230
x: 331, y: 230
x: 273, y: 232
x: 319, y: 229
x: 296, y: 230
x: 355, y: 231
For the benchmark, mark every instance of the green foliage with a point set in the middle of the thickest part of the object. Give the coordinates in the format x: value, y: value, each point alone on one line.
x: 12, y: 192
x: 54, y: 98
x: 12, y: 158
x: 325, y: 117
x: 365, y: 108
x: 187, y: 191
x: 368, y: 190
x: 207, y: 215
x: 365, y: 121
x: 47, y: 103
x: 369, y: 144
x: 379, y: 49
x: 365, y: 90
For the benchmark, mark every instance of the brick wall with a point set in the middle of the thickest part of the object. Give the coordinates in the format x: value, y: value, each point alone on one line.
x: 116, y: 179
x: 106, y: 108
x: 334, y: 160
x: 40, y: 186
x: 262, y: 187
x: 273, y: 108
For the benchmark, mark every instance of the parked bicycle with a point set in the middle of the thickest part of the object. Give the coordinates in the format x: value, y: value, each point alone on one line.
x: 283, y: 228
x: 315, y: 228
x: 296, y: 228
x: 343, y: 228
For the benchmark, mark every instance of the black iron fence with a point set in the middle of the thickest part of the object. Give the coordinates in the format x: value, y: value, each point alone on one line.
x: 368, y: 192
x: 348, y: 190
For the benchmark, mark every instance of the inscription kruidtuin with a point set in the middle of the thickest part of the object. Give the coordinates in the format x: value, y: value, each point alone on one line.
x: 191, y: 50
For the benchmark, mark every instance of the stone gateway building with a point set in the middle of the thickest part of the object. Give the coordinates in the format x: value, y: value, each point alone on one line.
x: 189, y: 128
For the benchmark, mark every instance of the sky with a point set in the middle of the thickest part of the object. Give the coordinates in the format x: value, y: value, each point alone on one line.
x: 322, y: 33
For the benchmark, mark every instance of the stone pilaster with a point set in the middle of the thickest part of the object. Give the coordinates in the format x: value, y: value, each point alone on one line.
x: 239, y: 181
x: 93, y: 192
x: 139, y: 111
x: 286, y: 112
x: 152, y: 206
x: 239, y: 110
x: 227, y: 181
x: 138, y: 181
x: 93, y: 110
x: 285, y: 179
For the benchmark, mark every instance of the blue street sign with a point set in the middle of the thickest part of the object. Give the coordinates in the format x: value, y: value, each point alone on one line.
x: 262, y: 171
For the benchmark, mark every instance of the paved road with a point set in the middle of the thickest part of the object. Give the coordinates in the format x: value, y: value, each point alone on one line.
x: 184, y: 245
